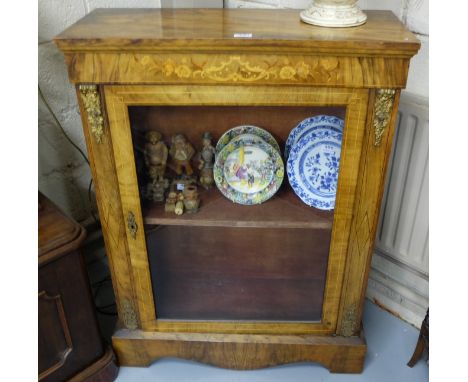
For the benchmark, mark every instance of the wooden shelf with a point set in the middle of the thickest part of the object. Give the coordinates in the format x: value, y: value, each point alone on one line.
x: 284, y: 210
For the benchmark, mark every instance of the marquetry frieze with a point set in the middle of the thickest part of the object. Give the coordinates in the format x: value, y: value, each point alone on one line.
x: 95, y: 67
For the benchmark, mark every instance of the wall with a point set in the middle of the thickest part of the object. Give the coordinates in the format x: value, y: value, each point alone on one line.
x: 64, y: 175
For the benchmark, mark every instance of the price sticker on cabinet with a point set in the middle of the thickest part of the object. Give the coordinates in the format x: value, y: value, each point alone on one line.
x: 242, y: 35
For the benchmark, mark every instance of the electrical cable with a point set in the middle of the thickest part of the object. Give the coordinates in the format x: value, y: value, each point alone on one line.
x: 102, y: 281
x: 101, y: 309
x: 106, y: 313
x: 90, y: 199
x: 60, y: 125
x: 57, y: 122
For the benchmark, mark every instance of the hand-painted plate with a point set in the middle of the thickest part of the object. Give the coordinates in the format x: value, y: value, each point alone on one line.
x: 247, y: 137
x: 246, y: 129
x: 310, y: 124
x: 248, y: 172
x: 313, y: 166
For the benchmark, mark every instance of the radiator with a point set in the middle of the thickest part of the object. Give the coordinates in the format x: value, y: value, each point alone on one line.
x: 399, y: 276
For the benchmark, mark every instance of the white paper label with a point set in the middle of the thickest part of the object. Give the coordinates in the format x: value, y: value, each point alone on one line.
x: 242, y: 35
x: 180, y: 187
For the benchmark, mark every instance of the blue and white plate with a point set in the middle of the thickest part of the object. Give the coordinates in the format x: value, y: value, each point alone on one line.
x: 311, y: 124
x: 313, y: 165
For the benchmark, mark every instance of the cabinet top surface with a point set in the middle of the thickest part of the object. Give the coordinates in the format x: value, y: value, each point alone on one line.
x: 231, y: 29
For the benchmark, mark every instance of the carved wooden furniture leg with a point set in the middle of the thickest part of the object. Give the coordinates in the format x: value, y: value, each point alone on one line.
x: 423, y: 342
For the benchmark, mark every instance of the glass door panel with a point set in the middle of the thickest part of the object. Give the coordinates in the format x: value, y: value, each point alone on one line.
x: 228, y: 261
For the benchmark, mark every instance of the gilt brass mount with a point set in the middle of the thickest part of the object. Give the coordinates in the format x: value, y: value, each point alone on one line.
x: 92, y: 105
x: 382, y: 112
x: 129, y: 316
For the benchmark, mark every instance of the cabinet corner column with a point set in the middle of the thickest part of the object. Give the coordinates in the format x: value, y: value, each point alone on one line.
x: 98, y: 141
x: 378, y: 138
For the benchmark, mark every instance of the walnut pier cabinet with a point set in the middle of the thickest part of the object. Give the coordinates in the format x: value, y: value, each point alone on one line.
x: 237, y: 286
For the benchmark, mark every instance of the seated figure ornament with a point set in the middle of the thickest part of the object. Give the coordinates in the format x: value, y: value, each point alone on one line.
x: 181, y: 152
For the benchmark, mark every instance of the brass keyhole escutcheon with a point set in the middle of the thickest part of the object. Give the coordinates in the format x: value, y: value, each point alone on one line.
x: 132, y: 225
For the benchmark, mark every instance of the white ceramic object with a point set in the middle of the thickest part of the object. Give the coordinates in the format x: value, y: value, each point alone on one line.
x: 334, y: 13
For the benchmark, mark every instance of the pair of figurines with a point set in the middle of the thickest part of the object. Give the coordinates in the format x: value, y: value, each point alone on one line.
x: 181, y: 152
x: 186, y: 200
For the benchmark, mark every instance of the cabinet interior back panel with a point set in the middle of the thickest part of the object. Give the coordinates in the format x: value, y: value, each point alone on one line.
x: 227, y: 273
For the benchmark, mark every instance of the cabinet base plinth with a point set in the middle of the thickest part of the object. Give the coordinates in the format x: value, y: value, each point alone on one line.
x: 241, y: 351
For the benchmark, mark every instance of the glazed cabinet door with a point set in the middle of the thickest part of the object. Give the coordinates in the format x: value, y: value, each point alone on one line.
x: 229, y: 268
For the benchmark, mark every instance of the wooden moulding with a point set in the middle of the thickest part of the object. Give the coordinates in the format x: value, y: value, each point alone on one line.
x: 105, y: 369
x: 58, y: 235
x: 241, y: 351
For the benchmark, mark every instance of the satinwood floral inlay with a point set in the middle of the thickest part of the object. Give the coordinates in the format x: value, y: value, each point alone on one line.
x: 241, y: 68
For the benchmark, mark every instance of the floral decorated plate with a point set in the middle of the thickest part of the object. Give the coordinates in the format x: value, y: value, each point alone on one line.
x: 311, y: 124
x: 247, y: 137
x: 248, y: 171
x: 313, y: 166
x: 246, y: 129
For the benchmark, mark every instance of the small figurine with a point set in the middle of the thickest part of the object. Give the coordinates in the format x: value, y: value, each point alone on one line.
x: 191, y: 200
x: 156, y: 188
x: 171, y: 201
x: 181, y: 152
x: 155, y: 155
x: 179, y: 207
x: 207, y: 155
